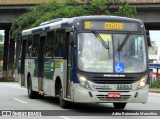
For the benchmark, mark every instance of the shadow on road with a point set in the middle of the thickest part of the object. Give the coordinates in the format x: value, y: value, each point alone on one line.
x: 82, y: 109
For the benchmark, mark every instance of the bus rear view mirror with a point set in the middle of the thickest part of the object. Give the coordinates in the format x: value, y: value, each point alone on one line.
x: 148, y: 38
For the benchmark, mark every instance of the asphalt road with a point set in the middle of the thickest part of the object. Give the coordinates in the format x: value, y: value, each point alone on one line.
x: 13, y: 97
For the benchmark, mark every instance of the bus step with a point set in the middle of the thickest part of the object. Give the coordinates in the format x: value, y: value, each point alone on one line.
x: 67, y: 99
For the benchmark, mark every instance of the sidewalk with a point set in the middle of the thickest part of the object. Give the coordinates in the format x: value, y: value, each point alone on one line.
x: 6, y: 79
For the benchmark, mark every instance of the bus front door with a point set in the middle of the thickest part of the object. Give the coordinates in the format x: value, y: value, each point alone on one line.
x: 69, y: 66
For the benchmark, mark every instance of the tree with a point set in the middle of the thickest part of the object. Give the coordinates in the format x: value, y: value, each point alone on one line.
x: 71, y: 8
x: 1, y: 38
x: 1, y: 51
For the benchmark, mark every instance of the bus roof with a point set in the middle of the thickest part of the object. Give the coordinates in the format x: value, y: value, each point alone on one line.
x: 109, y: 18
x: 61, y: 22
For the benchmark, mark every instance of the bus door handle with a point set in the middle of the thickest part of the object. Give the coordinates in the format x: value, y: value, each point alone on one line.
x: 69, y: 65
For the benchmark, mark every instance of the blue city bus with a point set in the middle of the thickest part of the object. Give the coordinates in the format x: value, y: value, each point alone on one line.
x: 86, y: 59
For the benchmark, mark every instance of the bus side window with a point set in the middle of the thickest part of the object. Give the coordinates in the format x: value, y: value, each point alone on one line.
x: 35, y: 45
x: 50, y: 46
x: 29, y: 47
x: 59, y: 41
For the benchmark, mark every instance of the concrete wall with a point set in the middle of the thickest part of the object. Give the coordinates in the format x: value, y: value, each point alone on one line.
x: 8, y: 16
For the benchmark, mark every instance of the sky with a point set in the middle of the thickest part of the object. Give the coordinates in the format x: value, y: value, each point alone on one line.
x: 2, y: 32
x: 154, y: 35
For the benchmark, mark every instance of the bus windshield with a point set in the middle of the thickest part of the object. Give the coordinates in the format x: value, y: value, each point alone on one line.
x: 104, y: 53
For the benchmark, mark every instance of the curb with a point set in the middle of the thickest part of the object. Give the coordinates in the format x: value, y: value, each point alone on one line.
x: 154, y: 90
x: 7, y: 80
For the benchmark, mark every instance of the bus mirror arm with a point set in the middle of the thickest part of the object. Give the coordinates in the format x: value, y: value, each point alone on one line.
x: 72, y: 44
x: 71, y: 39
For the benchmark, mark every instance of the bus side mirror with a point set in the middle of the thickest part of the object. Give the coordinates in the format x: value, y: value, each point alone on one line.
x: 148, y: 38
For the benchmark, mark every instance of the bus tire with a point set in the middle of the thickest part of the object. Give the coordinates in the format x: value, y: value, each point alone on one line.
x: 63, y: 104
x: 119, y: 105
x: 31, y: 93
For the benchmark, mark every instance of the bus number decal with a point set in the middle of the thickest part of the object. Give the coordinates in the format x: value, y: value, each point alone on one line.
x: 124, y: 87
x: 88, y: 25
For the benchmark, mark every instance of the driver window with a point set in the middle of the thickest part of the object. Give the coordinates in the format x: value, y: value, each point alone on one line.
x: 138, y: 47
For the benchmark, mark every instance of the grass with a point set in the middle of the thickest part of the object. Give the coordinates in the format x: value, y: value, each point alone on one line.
x: 155, y: 84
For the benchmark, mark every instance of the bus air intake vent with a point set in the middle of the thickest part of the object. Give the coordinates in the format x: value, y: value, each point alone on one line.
x: 113, y: 80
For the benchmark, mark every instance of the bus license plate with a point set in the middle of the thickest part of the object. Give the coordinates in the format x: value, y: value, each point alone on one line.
x: 124, y: 87
x: 114, y: 95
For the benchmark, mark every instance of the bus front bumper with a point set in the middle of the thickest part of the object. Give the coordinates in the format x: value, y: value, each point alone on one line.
x: 89, y: 96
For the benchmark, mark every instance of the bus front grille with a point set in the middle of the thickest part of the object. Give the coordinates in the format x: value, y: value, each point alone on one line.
x: 113, y: 80
x: 106, y: 98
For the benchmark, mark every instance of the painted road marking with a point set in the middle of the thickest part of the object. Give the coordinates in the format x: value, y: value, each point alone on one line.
x: 19, y: 100
x: 64, y: 117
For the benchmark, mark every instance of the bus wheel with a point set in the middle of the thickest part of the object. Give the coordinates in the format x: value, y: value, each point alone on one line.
x: 119, y: 105
x: 64, y: 104
x: 31, y: 93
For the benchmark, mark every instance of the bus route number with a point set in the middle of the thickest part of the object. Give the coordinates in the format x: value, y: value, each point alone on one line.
x: 124, y: 87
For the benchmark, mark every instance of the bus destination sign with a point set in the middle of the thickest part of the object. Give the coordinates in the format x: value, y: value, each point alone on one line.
x: 116, y: 26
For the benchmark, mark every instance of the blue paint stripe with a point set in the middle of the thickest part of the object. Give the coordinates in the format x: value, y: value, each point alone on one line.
x: 37, y: 30
x: 40, y: 30
x: 64, y: 24
x: 47, y: 28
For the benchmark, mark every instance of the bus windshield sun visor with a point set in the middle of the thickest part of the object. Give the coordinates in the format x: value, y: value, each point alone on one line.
x: 124, y: 41
x: 101, y: 40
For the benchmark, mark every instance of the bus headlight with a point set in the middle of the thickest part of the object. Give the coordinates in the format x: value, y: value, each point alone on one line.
x: 83, y: 82
x: 142, y: 82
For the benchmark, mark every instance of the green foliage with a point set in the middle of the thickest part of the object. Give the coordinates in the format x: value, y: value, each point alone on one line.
x: 125, y: 10
x: 1, y: 51
x: 1, y: 38
x: 102, y: 7
x: 155, y: 84
x: 61, y: 13
x: 70, y: 8
x: 26, y: 20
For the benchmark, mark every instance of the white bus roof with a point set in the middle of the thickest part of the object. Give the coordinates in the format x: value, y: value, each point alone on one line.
x: 61, y: 22
x: 48, y: 26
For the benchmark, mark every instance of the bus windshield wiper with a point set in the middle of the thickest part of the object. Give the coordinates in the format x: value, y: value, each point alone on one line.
x: 101, y: 40
x: 124, y: 42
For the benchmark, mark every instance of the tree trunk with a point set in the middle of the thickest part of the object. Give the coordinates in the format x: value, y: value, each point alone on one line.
x: 18, y: 49
x: 5, y: 53
x: 11, y: 57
